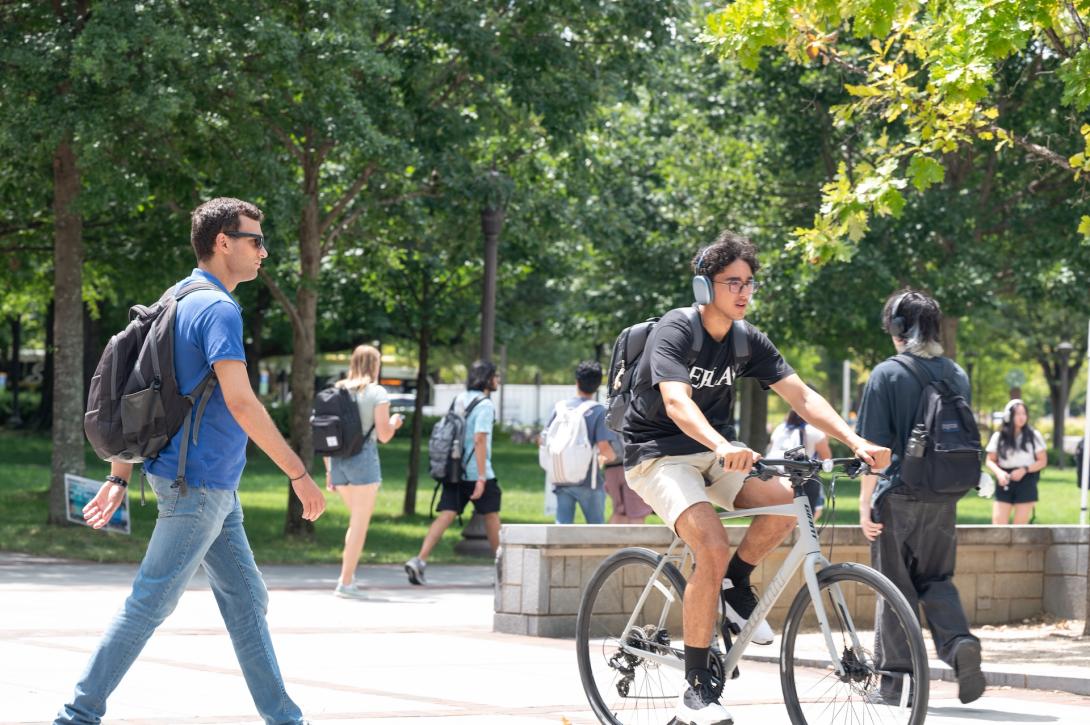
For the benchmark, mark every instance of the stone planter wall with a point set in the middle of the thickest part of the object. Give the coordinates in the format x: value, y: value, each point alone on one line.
x: 1004, y: 574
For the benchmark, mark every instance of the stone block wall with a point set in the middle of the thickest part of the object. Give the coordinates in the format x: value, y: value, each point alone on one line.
x: 1003, y: 574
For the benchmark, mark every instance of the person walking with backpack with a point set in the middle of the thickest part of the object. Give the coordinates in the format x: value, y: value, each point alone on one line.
x: 794, y: 432
x: 911, y: 520
x: 356, y: 479
x: 477, y: 481
x: 681, y: 456
x: 1016, y: 455
x: 580, y: 421
x: 200, y: 518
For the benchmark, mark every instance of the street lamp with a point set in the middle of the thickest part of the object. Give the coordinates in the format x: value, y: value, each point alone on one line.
x: 1063, y: 360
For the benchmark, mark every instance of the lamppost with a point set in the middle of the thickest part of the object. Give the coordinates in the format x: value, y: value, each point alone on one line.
x: 1063, y: 360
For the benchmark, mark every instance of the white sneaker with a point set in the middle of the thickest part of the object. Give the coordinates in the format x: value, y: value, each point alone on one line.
x: 348, y: 591
x: 697, y: 706
x: 414, y: 567
x: 737, y: 600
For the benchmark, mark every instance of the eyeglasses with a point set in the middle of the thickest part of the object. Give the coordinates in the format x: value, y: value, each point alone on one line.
x: 258, y: 239
x: 735, y: 285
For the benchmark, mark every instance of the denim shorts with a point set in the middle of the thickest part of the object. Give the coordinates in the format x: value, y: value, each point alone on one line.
x: 359, y: 469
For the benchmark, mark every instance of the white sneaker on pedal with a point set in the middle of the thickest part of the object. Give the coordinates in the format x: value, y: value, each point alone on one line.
x: 738, y: 604
x: 698, y: 706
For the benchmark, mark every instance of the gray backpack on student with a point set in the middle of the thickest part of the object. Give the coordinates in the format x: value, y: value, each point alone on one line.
x: 134, y: 406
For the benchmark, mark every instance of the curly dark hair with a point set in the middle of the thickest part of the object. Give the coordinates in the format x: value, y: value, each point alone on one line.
x: 724, y: 251
x: 480, y: 375
x: 215, y: 216
x: 588, y: 376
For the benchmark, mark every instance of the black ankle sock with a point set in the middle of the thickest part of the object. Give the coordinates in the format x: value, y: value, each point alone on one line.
x: 738, y: 571
x: 696, y: 662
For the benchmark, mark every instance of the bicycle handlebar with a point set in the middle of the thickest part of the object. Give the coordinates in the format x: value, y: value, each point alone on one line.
x: 766, y: 468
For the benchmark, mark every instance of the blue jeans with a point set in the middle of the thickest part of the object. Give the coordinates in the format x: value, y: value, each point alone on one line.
x: 201, y: 528
x: 591, y: 500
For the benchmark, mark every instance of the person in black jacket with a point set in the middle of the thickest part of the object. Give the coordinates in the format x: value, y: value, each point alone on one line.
x: 914, y: 542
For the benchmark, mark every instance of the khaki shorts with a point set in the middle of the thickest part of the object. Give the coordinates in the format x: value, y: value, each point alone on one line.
x: 672, y: 484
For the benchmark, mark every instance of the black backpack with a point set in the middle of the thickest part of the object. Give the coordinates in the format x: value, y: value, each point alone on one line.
x: 335, y: 424
x: 628, y: 350
x: 134, y: 406
x: 942, y: 457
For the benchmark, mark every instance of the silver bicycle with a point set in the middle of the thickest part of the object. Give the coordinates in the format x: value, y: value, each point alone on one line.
x: 629, y: 637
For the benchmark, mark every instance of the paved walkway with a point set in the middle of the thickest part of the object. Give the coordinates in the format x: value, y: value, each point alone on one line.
x: 425, y: 654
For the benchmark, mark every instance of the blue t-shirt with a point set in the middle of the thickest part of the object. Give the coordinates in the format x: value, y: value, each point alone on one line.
x: 596, y: 430
x: 207, y: 329
x: 480, y: 420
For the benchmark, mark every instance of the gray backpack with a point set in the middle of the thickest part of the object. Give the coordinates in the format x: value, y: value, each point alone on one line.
x: 134, y: 406
x: 446, y: 461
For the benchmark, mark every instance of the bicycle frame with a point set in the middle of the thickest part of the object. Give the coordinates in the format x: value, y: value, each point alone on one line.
x: 806, y: 553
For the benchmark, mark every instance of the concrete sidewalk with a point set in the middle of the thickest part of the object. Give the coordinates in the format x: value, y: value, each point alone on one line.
x: 428, y: 654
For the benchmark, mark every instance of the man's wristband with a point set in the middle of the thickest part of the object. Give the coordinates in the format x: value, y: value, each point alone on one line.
x: 301, y: 475
x: 117, y: 480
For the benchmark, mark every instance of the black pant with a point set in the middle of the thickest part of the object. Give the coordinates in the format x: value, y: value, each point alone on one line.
x: 917, y: 550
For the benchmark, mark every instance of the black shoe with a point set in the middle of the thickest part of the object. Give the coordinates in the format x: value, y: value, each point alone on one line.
x: 967, y: 669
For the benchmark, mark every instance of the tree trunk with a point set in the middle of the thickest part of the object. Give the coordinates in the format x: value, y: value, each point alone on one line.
x: 67, y: 328
x: 422, y: 393
x: 948, y: 336
x: 754, y: 430
x: 304, y: 350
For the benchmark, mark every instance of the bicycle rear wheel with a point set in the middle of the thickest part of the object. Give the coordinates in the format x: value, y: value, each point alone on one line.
x: 872, y: 687
x: 624, y: 688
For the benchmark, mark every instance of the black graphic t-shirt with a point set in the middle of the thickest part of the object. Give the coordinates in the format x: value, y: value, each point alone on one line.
x: 648, y: 431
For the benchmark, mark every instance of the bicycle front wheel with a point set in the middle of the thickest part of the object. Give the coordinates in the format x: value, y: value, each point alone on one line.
x: 868, y: 682
x: 631, y: 655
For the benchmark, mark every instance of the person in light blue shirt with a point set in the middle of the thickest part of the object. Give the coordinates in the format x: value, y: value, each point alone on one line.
x: 479, y: 484
x: 589, y: 494
x: 200, y: 520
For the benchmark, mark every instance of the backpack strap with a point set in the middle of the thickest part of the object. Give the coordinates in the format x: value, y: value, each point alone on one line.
x: 692, y: 314
x: 913, y: 367
x: 740, y: 340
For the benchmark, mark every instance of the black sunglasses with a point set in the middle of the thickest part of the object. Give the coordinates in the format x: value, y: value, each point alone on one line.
x: 259, y: 239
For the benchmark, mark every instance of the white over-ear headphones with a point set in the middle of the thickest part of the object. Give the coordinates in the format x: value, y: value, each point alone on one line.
x: 1008, y: 411
x: 703, y: 289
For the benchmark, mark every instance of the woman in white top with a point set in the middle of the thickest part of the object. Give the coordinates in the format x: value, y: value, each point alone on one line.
x: 357, y: 478
x: 792, y: 433
x: 1016, y: 456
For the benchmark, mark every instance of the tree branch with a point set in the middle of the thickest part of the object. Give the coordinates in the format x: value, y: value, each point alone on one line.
x: 1078, y: 21
x: 292, y: 147
x: 346, y: 198
x: 282, y: 298
x: 1034, y: 149
x: 1056, y: 43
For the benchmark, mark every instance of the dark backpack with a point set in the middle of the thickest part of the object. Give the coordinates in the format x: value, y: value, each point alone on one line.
x: 446, y: 460
x: 628, y: 350
x: 134, y: 406
x: 335, y: 424
x: 942, y: 457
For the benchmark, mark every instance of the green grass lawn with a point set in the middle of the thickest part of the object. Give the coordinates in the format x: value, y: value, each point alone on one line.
x: 392, y: 538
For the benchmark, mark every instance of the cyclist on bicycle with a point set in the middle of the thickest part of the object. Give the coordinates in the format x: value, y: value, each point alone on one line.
x: 680, y: 459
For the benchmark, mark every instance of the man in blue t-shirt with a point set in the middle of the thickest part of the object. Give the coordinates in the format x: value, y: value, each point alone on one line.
x: 590, y: 495
x: 200, y: 523
x: 479, y: 485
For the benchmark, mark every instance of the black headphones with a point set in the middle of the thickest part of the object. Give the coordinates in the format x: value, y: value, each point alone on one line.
x: 703, y: 289
x: 896, y: 325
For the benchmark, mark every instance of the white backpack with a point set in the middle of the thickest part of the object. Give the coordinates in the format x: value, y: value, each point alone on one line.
x: 565, y: 451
